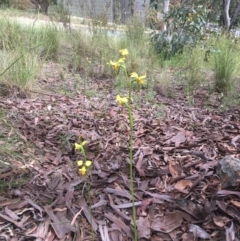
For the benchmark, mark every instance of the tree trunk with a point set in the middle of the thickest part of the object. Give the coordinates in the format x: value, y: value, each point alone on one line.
x: 131, y: 3
x: 226, y: 18
x: 165, y: 11
x: 166, y: 6
x: 235, y: 15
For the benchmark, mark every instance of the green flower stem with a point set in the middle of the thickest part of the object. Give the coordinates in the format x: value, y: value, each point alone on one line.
x: 83, y: 152
x: 131, y: 170
x: 90, y: 204
x: 82, y: 149
x: 130, y: 92
x: 129, y: 85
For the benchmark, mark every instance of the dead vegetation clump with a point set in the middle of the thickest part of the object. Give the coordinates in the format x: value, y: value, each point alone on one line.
x: 22, y: 4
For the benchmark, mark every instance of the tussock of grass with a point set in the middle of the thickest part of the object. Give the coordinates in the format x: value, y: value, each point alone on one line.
x: 226, y: 63
x: 11, y: 155
x: 50, y: 42
x: 24, y: 48
x: 10, y: 35
x: 23, y: 72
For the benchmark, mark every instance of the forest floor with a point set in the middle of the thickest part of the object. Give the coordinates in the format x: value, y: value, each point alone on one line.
x: 177, y: 148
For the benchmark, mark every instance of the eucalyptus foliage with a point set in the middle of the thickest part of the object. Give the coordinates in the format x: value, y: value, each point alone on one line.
x: 4, y: 2
x: 185, y: 25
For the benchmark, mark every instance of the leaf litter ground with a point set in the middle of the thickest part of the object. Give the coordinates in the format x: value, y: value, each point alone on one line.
x: 177, y: 147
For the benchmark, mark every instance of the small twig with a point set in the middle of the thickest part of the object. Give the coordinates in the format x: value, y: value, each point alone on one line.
x: 177, y: 179
x: 3, y: 227
x: 192, y: 164
x: 41, y: 93
x: 199, y: 154
x: 54, y: 95
x: 200, y: 178
x: 75, y: 217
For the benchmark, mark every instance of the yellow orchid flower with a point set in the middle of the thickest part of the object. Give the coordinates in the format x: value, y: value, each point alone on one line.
x: 80, y: 146
x: 80, y: 163
x: 88, y: 163
x: 77, y: 146
x: 123, y: 52
x: 139, y: 79
x: 121, y: 100
x: 115, y: 65
x: 84, y: 166
x: 83, y: 170
x: 84, y: 143
x: 118, y: 64
x: 89, y: 61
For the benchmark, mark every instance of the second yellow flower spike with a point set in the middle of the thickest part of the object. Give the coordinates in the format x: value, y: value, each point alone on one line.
x: 84, y: 166
x: 139, y: 79
x: 118, y: 64
x: 115, y: 65
x: 121, y: 100
x: 80, y: 163
x: 83, y: 170
x: 123, y: 52
x: 88, y: 163
x: 80, y: 146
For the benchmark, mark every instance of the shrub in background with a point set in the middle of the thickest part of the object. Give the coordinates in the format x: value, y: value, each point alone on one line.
x: 4, y: 3
x: 61, y: 13
x: 185, y: 26
x: 135, y: 29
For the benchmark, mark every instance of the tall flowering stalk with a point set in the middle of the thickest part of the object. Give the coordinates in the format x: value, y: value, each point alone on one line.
x: 125, y: 101
x: 84, y: 166
x: 121, y: 64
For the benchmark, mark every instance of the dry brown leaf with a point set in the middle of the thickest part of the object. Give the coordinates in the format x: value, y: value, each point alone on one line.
x: 221, y: 221
x: 174, y: 169
x: 208, y: 136
x: 230, y: 233
x: 187, y: 237
x: 11, y: 214
x: 9, y: 220
x: 142, y: 209
x: 120, y: 224
x: 139, y: 165
x: 198, y: 232
x: 143, y: 227
x: 167, y: 223
x: 235, y: 203
x: 42, y: 230
x: 88, y: 214
x: 183, y: 184
x: 178, y: 139
x: 61, y: 225
x: 234, y: 140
